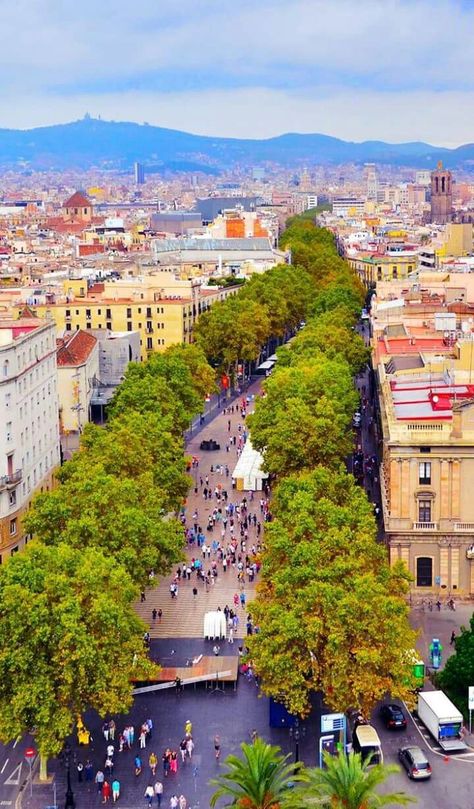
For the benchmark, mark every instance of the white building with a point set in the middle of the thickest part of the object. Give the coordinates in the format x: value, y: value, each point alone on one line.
x: 77, y: 359
x: 29, y: 428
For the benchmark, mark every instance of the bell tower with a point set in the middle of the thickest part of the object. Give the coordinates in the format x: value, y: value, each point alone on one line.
x: 441, y: 195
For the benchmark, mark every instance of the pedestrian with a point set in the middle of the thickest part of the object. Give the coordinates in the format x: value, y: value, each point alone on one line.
x: 154, y: 613
x: 173, y: 802
x: 142, y: 739
x: 109, y: 767
x: 89, y: 771
x: 115, y: 790
x: 106, y: 791
x: 453, y: 637
x: 149, y: 794
x: 166, y: 757
x: 105, y: 731
x: 152, y: 761
x: 195, y: 592
x: 160, y: 615
x: 99, y: 780
x: 80, y: 769
x: 231, y: 635
x: 110, y: 751
x: 254, y: 736
x: 216, y: 649
x: 138, y: 765
x: 190, y: 747
x: 242, y: 600
x: 142, y: 596
x: 158, y: 792
x: 217, y: 746
x: 188, y: 728
x: 182, y: 749
x: 112, y: 727
x: 174, y: 762
x: 182, y: 802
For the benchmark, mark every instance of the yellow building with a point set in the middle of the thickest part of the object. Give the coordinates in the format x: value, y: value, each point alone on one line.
x: 373, y: 267
x: 164, y: 315
x: 427, y: 423
x: 458, y: 240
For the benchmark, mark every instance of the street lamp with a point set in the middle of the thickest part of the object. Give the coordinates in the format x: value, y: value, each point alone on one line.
x: 297, y: 733
x: 70, y: 802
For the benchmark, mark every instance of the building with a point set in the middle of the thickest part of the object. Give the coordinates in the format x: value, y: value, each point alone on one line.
x: 210, y: 207
x: 423, y: 177
x: 373, y: 266
x: 348, y: 207
x: 178, y: 223
x: 77, y: 360
x: 78, y: 209
x: 441, y: 195
x: 139, y: 173
x: 371, y: 180
x: 427, y: 421
x: 29, y: 434
x: 116, y: 351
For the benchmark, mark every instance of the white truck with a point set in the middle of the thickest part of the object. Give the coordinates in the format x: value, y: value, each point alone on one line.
x: 442, y: 719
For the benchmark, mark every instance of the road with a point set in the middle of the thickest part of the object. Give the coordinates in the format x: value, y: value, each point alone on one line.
x: 13, y: 769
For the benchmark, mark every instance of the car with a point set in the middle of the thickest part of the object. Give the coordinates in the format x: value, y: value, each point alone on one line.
x: 415, y: 763
x: 356, y: 419
x: 393, y: 717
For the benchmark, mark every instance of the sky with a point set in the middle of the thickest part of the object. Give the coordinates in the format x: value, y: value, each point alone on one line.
x: 392, y: 70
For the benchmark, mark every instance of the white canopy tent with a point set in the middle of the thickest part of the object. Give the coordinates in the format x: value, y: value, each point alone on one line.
x: 248, y: 473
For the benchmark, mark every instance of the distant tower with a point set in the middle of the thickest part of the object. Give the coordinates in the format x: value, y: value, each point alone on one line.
x: 372, y: 181
x: 305, y: 181
x: 441, y: 195
x: 139, y: 173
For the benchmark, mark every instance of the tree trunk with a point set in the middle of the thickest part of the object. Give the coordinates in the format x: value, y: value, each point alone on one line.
x: 43, y: 773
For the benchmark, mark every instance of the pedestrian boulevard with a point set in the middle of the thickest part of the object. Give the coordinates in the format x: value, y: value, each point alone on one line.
x: 183, y: 616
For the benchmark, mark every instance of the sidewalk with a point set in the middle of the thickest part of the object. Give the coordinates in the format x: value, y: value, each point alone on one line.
x: 183, y: 617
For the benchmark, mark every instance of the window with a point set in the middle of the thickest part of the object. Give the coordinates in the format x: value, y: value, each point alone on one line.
x: 129, y: 313
x: 9, y: 431
x: 149, y: 342
x: 13, y: 527
x: 424, y: 571
x: 68, y: 313
x: 88, y: 325
x: 424, y: 473
x: 5, y: 368
x: 12, y: 498
x: 68, y: 327
x: 149, y: 325
x: 129, y: 326
x: 8, y: 400
x: 148, y: 311
x: 99, y: 311
x: 108, y: 314
x: 108, y: 325
x: 14, y: 550
x: 424, y: 511
x: 88, y: 313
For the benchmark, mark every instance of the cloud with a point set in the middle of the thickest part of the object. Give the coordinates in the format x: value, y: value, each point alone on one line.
x: 359, y: 69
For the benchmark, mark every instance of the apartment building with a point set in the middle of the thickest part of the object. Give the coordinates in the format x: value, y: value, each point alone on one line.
x: 29, y: 435
x: 161, y: 308
x: 427, y: 423
x: 77, y: 360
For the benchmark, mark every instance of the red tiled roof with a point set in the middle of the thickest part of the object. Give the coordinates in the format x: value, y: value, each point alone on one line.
x: 74, y: 348
x: 78, y: 200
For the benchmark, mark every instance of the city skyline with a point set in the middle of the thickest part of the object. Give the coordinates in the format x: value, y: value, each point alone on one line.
x: 388, y: 70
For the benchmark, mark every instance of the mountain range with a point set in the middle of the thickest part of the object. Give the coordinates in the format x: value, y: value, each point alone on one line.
x: 102, y: 144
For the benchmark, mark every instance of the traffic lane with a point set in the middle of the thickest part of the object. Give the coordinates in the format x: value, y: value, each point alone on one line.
x: 13, y: 769
x: 450, y: 785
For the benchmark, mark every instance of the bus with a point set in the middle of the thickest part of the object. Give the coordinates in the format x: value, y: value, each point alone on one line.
x: 365, y: 740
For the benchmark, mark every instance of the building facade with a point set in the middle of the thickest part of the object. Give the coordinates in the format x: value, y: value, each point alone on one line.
x: 78, y: 366
x: 29, y: 434
x: 441, y: 195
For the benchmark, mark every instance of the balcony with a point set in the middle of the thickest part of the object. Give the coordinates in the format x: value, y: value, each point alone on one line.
x: 10, y: 481
x: 468, y: 527
x: 425, y: 526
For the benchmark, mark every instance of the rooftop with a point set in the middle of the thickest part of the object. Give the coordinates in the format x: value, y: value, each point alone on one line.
x: 74, y: 348
x: 426, y: 398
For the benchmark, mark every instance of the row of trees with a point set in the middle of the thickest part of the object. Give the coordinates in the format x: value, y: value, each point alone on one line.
x: 331, y: 612
x: 69, y: 636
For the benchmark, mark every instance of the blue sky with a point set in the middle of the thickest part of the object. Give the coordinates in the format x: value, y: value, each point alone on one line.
x: 379, y: 69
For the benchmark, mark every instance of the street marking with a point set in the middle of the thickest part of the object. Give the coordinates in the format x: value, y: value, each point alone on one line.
x: 1, y: 773
x: 16, y: 742
x: 14, y: 781
x: 6, y: 803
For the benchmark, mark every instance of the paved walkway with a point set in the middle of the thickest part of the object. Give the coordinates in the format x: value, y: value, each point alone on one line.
x: 183, y: 617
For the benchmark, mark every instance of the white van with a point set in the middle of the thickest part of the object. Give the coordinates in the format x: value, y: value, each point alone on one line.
x: 366, y: 741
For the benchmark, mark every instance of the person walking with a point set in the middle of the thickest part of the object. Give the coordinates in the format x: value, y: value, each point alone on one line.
x: 138, y: 765
x: 142, y: 738
x: 153, y: 762
x: 166, y: 758
x: 159, y: 792
x: 190, y: 747
x: 182, y: 802
x: 115, y: 790
x: 106, y: 792
x: 188, y: 728
x: 453, y: 638
x: 99, y: 780
x: 231, y: 635
x: 80, y: 769
x: 182, y: 749
x: 217, y: 746
x: 112, y: 727
x: 174, y: 802
x: 89, y: 771
x: 149, y: 794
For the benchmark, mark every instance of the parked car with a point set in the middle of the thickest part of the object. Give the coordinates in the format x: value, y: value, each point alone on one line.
x: 393, y: 717
x: 415, y: 763
x: 356, y: 420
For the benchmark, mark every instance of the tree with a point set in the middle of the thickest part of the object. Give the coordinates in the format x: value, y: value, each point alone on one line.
x: 331, y: 612
x: 347, y: 782
x: 257, y: 780
x: 458, y: 672
x: 69, y: 640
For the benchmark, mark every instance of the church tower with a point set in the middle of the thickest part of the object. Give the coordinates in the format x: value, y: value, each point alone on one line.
x: 441, y: 195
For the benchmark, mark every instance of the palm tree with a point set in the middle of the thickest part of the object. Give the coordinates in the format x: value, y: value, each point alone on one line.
x: 347, y: 782
x: 257, y: 780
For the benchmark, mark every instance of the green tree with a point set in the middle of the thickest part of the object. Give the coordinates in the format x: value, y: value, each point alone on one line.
x: 69, y: 640
x: 458, y: 672
x: 257, y: 780
x: 347, y: 782
x: 331, y: 612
